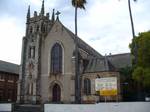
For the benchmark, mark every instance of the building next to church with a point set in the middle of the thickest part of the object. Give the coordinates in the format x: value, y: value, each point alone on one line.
x: 9, y: 75
x: 47, y: 70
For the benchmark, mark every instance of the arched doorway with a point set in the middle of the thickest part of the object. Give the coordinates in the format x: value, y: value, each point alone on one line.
x: 56, y: 93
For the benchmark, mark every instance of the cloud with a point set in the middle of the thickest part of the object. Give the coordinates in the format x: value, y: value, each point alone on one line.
x: 105, y: 24
x: 11, y: 36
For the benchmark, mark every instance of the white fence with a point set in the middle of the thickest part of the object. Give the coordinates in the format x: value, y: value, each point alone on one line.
x: 5, y: 107
x: 101, y: 107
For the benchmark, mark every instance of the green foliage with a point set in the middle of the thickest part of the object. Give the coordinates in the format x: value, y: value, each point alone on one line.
x: 126, y: 73
x: 138, y: 74
x: 141, y: 71
x: 127, y: 84
x: 147, y: 77
x: 142, y: 75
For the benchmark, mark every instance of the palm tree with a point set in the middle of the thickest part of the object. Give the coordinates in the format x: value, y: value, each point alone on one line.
x: 130, y: 12
x: 135, y: 50
x: 77, y: 4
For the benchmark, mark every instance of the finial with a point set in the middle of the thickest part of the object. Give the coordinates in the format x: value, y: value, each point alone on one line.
x: 42, y: 8
x: 57, y: 13
x: 28, y: 14
x: 53, y: 15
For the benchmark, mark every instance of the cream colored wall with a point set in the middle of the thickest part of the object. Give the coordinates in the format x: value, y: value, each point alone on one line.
x: 57, y: 34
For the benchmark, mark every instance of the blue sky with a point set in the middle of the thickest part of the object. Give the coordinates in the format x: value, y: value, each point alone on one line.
x: 105, y: 24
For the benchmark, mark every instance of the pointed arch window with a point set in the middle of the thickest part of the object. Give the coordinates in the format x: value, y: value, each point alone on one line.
x: 56, y: 59
x: 87, y: 86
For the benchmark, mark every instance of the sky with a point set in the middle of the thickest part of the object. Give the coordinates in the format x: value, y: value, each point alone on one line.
x: 104, y: 24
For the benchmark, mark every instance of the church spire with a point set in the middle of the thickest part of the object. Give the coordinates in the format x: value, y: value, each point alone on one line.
x: 28, y: 14
x: 53, y: 16
x: 42, y: 8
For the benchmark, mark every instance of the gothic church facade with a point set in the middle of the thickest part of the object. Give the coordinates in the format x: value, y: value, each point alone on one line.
x: 47, y: 70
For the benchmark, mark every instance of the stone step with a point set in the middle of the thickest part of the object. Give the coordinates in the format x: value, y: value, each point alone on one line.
x: 27, y: 108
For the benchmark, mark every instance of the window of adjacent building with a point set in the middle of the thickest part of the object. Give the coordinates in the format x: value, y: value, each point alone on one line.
x: 1, y: 95
x: 10, y: 95
x: 87, y: 86
x: 56, y: 59
x: 10, y: 78
x: 1, y: 77
x: 32, y: 52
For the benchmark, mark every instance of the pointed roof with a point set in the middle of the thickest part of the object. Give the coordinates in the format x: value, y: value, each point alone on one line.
x: 121, y: 60
x: 28, y: 14
x: 81, y: 44
x: 99, y: 65
x: 42, y: 8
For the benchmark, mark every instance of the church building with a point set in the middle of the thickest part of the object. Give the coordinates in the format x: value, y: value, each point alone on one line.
x: 47, y: 70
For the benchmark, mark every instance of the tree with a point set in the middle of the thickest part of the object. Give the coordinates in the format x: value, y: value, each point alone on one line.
x: 77, y: 4
x: 128, y: 85
x: 141, y: 72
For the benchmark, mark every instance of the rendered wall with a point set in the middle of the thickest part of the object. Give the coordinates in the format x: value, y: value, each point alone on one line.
x: 5, y: 107
x: 101, y: 107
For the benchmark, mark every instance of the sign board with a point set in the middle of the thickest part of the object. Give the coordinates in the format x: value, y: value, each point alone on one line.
x: 106, y: 86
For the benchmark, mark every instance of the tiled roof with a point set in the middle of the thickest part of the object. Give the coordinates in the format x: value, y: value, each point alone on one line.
x: 98, y: 62
x: 9, y: 67
x: 121, y: 60
x: 99, y: 65
x: 83, y: 45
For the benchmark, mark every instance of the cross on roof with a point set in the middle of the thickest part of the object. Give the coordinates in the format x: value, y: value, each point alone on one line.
x: 57, y: 13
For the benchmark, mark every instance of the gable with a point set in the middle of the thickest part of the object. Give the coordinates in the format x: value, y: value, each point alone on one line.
x: 59, y: 27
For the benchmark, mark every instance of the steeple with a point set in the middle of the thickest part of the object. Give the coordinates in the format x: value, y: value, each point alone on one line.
x: 28, y: 14
x: 42, y: 8
x: 53, y: 16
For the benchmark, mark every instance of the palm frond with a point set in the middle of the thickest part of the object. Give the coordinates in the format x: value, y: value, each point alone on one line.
x: 79, y: 3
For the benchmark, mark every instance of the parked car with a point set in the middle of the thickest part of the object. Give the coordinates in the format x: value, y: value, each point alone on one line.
x: 147, y: 98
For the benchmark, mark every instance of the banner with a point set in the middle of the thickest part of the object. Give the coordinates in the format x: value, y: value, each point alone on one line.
x: 106, y: 86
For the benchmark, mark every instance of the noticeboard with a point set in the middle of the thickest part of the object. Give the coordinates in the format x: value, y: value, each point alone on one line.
x: 106, y: 86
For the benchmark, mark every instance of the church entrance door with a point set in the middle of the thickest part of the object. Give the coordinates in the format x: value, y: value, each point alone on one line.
x: 56, y: 93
